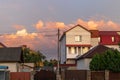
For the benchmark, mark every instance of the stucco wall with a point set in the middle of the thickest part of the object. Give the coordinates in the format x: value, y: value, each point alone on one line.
x: 70, y: 39
x: 83, y: 64
x: 113, y: 46
x: 12, y: 67
x: 94, y: 41
x: 70, y: 36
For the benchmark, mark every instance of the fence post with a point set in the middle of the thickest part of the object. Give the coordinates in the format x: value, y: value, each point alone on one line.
x: 106, y: 74
x: 88, y: 75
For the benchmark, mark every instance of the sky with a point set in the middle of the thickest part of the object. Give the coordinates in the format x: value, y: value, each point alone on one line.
x: 35, y: 22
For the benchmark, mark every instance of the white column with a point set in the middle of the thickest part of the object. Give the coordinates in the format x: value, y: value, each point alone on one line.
x: 81, y: 50
x: 77, y: 50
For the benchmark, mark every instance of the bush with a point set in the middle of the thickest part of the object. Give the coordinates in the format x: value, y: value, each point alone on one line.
x: 109, y: 60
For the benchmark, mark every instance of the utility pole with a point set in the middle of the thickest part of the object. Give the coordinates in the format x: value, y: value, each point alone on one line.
x: 58, y: 64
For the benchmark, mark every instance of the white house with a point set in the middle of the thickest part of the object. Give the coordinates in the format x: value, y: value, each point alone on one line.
x: 75, y: 41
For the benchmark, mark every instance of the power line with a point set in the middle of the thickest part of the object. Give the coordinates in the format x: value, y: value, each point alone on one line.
x: 47, y: 33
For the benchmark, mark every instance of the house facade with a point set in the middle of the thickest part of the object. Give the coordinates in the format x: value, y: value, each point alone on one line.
x: 74, y: 42
x: 79, y: 40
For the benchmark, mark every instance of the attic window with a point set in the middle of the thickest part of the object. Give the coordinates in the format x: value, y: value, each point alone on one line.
x: 113, y: 39
x: 99, y: 39
x: 78, y: 38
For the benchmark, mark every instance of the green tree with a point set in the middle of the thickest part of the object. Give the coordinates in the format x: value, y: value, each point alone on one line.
x: 32, y: 56
x: 51, y: 62
x: 109, y: 60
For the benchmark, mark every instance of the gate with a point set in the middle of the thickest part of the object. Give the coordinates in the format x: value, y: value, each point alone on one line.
x: 45, y: 75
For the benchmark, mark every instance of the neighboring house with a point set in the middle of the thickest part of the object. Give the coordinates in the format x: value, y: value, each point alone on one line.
x: 84, y: 60
x: 78, y: 40
x: 11, y: 57
x: 110, y: 38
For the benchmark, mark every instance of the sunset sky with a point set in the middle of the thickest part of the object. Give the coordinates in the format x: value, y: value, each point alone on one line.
x: 35, y: 22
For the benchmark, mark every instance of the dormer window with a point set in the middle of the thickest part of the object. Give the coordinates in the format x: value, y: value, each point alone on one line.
x: 99, y: 39
x: 78, y: 38
x: 113, y: 39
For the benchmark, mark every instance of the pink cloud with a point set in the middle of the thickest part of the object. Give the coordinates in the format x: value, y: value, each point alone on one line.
x: 39, y: 41
x: 39, y: 25
x: 18, y: 27
x: 35, y: 40
x: 100, y: 25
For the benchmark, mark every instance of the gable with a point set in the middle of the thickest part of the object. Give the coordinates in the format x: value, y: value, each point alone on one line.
x: 75, y: 30
x: 78, y: 35
x: 78, y: 28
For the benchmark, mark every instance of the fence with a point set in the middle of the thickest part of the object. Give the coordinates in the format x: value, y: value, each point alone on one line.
x: 75, y: 75
x: 20, y: 76
x: 45, y: 75
x: 89, y: 75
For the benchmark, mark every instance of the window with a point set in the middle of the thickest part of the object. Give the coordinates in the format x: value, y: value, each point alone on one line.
x: 113, y: 39
x: 72, y: 50
x: 99, y: 39
x: 78, y: 38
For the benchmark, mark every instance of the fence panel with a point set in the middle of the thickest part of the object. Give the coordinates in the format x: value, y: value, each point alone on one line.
x: 75, y: 75
x: 114, y: 76
x: 97, y: 75
x: 20, y: 76
x: 45, y: 75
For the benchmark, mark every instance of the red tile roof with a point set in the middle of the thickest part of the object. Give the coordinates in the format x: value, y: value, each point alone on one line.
x: 108, y: 33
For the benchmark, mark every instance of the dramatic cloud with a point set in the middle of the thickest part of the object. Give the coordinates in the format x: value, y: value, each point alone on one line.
x: 45, y: 37
x: 39, y: 25
x: 100, y: 25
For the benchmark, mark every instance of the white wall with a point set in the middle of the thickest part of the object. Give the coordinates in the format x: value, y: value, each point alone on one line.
x: 70, y: 39
x: 83, y: 64
x: 113, y: 46
x: 70, y: 36
x: 12, y: 67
